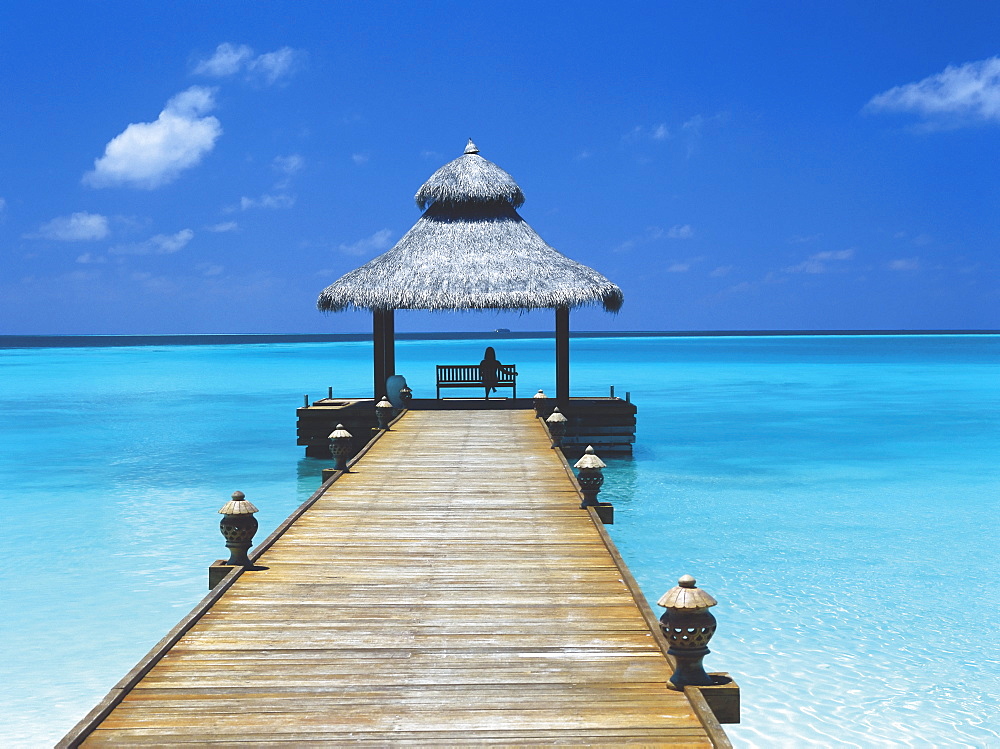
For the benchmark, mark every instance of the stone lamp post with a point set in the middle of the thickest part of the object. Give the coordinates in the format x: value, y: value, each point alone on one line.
x: 688, y: 626
x: 406, y: 395
x: 340, y: 446
x: 383, y: 412
x: 590, y: 476
x: 238, y: 526
x: 557, y: 426
x: 538, y: 401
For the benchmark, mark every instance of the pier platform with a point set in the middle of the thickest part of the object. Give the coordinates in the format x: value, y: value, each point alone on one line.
x: 447, y: 591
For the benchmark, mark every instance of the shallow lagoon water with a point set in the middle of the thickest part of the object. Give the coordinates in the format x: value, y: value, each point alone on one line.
x: 838, y: 495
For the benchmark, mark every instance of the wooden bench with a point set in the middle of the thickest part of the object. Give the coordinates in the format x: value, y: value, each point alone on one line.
x: 467, y: 376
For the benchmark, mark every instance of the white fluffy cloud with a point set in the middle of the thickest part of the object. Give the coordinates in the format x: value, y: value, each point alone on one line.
x: 149, y: 154
x: 161, y: 244
x: 966, y: 92
x: 77, y: 227
x: 377, y: 241
x: 224, y: 227
x: 680, y: 231
x: 231, y: 59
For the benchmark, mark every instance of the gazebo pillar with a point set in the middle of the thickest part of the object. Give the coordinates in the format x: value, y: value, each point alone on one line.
x: 562, y: 356
x: 384, y: 346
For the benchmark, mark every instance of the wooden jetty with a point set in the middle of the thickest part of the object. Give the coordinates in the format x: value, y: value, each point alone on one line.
x: 448, y: 590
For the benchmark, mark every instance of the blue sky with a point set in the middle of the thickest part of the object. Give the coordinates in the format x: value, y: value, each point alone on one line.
x: 200, y: 168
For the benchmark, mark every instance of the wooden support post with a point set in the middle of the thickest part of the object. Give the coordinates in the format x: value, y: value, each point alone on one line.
x: 384, y: 349
x: 378, y: 354
x: 562, y: 356
x: 389, y: 343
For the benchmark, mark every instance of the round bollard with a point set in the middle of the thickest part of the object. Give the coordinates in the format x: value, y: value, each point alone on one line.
x: 340, y: 446
x: 238, y: 526
x: 383, y: 412
x: 688, y: 626
x: 590, y: 476
x: 557, y: 426
x: 538, y: 401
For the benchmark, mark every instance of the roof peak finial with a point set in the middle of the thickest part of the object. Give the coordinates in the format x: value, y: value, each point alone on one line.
x: 471, y: 147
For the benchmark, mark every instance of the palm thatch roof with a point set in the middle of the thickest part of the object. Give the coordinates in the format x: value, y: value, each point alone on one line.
x: 470, y: 250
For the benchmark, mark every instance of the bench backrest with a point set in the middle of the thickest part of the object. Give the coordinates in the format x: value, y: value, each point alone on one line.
x: 470, y: 373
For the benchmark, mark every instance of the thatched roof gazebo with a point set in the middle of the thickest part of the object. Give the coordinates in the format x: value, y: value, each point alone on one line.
x: 469, y: 250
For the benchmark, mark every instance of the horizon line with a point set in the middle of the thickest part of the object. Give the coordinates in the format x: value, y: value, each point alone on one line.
x: 142, y: 339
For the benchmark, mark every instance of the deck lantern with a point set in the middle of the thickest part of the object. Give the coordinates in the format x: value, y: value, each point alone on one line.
x: 340, y: 446
x: 538, y: 401
x: 557, y: 426
x: 383, y: 412
x: 688, y: 626
x: 590, y: 476
x: 238, y: 526
x: 406, y: 395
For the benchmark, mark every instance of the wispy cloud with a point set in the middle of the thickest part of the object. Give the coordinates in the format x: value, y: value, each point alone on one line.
x: 77, y: 227
x: 149, y: 154
x: 288, y: 164
x: 3, y: 210
x: 161, y: 244
x: 639, y: 133
x: 208, y: 269
x: 722, y: 270
x: 287, y: 167
x: 803, y: 238
x: 359, y: 158
x: 267, y: 200
x: 223, y: 227
x: 229, y: 59
x: 959, y: 94
x: 377, y: 241
x: 905, y: 263
x: 820, y: 262
x: 654, y: 233
x: 232, y: 59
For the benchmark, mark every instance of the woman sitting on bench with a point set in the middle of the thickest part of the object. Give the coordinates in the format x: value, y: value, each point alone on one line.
x: 489, y: 369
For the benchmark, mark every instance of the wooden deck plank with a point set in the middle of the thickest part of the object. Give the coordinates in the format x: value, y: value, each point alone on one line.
x: 447, y: 591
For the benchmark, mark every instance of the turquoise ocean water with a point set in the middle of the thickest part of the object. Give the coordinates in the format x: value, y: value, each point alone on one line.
x: 837, y: 494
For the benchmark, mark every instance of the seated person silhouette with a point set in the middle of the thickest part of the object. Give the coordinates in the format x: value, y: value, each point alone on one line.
x: 489, y: 371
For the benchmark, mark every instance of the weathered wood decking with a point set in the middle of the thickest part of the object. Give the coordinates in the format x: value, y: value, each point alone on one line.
x: 448, y: 591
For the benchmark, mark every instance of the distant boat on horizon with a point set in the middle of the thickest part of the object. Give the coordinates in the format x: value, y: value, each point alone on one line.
x: 502, y: 330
